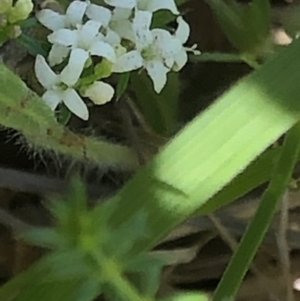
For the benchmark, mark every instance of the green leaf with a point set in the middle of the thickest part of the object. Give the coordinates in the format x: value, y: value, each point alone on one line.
x: 258, y: 227
x: 49, y: 291
x: 163, y: 17
x: 181, y: 2
x: 63, y: 114
x: 3, y: 37
x: 29, y: 22
x: 122, y: 84
x: 134, y: 229
x: 89, y: 290
x: 258, y: 18
x: 190, y: 296
x: 245, y: 25
x: 145, y: 272
x: 257, y: 173
x: 65, y: 265
x: 289, y: 17
x: 33, y: 46
x: 214, y: 148
x: 43, y: 237
x: 160, y: 110
x: 26, y: 286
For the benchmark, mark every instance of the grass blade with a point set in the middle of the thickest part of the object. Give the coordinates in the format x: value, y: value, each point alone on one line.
x: 214, y: 148
x: 258, y: 227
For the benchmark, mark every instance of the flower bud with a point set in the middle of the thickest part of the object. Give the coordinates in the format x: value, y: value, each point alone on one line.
x: 20, y: 11
x: 14, y: 31
x: 3, y: 21
x: 99, y: 93
x: 5, y: 6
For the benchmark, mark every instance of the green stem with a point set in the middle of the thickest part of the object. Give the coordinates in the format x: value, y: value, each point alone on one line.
x: 258, y: 227
x: 24, y: 111
x: 218, y: 57
x: 113, y: 275
x: 250, y: 61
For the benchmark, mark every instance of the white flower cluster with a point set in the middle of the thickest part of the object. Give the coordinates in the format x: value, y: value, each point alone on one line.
x: 122, y: 36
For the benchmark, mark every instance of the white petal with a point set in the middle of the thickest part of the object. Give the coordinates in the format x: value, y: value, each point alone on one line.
x: 99, y: 13
x: 100, y: 93
x: 66, y: 37
x: 296, y: 285
x: 57, y: 54
x: 52, y: 98
x: 141, y: 26
x: 158, y: 73
x: 121, y: 14
x: 103, y: 49
x: 75, y: 104
x: 154, y: 5
x: 181, y: 59
x: 75, y: 13
x: 120, y: 50
x: 142, y: 5
x: 112, y: 37
x: 44, y: 73
x: 124, y: 29
x: 73, y: 70
x: 169, y: 61
x: 131, y: 60
x: 87, y: 33
x: 121, y: 3
x: 51, y: 19
x: 165, y: 43
x: 183, y: 30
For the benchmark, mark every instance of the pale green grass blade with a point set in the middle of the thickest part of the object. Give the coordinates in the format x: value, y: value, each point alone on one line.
x: 257, y: 173
x: 258, y: 227
x: 215, y: 147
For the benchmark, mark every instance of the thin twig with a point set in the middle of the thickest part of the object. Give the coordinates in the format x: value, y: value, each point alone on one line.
x: 283, y: 247
x: 131, y: 132
x: 44, y: 185
x: 15, y: 224
x: 138, y: 115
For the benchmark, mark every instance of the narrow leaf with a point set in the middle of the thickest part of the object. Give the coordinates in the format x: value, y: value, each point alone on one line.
x: 214, y: 148
x: 258, y: 227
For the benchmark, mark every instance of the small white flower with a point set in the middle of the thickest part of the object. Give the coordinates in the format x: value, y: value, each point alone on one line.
x: 182, y: 33
x: 117, y: 20
x: 147, y: 5
x: 98, y: 13
x: 54, y: 21
x: 155, y: 51
x: 99, y: 92
x: 86, y: 37
x: 120, y: 22
x: 129, y: 61
x: 114, y: 24
x: 57, y: 54
x: 60, y: 87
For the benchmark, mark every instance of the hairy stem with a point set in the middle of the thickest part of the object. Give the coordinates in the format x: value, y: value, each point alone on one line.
x: 22, y: 110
